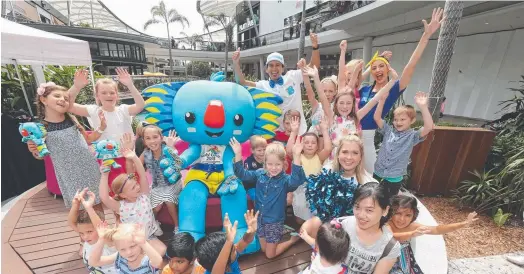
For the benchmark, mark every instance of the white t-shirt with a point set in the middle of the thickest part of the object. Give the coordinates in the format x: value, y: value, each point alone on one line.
x: 118, y: 121
x: 291, y: 94
x: 363, y: 258
x: 106, y: 269
x: 317, y: 268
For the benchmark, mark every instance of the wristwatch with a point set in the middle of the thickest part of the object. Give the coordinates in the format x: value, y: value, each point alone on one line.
x: 315, y: 48
x: 99, y: 130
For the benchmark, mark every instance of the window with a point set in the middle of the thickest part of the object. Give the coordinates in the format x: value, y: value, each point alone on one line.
x: 121, y: 51
x: 104, y: 50
x: 143, y: 54
x: 113, y: 50
x: 137, y: 53
x: 45, y: 19
x: 93, y: 46
x: 128, y: 51
x: 133, y: 52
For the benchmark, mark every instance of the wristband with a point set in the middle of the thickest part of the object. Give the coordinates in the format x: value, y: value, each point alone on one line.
x: 315, y: 48
x: 99, y: 130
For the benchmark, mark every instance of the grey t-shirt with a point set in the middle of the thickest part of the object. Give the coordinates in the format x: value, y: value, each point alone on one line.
x: 362, y: 258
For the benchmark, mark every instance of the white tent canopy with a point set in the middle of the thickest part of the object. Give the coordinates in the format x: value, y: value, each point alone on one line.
x: 30, y: 46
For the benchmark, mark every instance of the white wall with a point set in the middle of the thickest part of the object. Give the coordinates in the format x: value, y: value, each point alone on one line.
x: 483, y: 67
x: 273, y: 12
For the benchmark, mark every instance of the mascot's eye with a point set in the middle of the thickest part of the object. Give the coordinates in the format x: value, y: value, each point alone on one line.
x: 238, y: 119
x: 190, y: 117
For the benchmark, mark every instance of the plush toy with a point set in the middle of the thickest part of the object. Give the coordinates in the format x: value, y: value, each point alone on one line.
x: 35, y: 132
x: 107, y: 151
x: 207, y: 114
x: 171, y: 164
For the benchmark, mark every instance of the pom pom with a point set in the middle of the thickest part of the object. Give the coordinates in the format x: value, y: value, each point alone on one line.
x: 330, y: 195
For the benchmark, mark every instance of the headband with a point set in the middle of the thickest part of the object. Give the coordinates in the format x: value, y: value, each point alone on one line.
x: 376, y: 57
x: 336, y: 223
x: 129, y: 176
x: 41, y: 89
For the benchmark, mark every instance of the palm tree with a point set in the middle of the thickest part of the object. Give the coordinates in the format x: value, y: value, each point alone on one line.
x: 446, y: 43
x: 161, y: 15
x: 192, y: 40
x: 228, y: 24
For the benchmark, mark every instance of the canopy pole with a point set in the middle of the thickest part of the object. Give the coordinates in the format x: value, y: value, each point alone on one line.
x: 92, y: 77
x: 23, y: 88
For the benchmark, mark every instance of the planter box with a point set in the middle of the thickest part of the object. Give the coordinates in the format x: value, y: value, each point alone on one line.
x: 445, y: 158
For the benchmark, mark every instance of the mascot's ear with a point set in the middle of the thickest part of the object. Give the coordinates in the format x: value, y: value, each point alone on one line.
x: 217, y: 77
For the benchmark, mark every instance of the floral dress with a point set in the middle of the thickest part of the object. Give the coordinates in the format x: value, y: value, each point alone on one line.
x: 406, y: 263
x: 139, y: 212
x: 341, y: 127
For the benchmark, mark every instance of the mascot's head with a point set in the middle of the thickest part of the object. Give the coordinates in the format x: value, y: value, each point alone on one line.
x: 106, y: 148
x: 211, y: 112
x: 32, y: 130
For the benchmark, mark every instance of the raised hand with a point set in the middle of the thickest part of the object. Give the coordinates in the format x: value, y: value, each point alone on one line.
x: 435, y: 22
x: 126, y: 142
x: 421, y: 99
x: 358, y: 67
x: 235, y: 146
x: 103, y: 122
x: 295, y: 124
x: 324, y: 124
x: 79, y: 195
x: 472, y: 217
x: 343, y: 45
x: 124, y: 77
x: 102, y: 229
x: 90, y: 202
x: 236, y: 56
x: 128, y: 153
x: 171, y: 138
x: 301, y: 63
x: 139, y: 235
x: 310, y: 71
x: 298, y: 147
x: 314, y: 39
x: 81, y: 79
x: 251, y: 221
x: 387, y: 54
x: 231, y: 230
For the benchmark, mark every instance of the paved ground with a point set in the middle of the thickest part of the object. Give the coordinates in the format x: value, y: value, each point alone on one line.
x: 485, y: 265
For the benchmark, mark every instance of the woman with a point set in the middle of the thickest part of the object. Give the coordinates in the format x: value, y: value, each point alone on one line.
x: 372, y: 246
x: 330, y: 193
x: 379, y: 70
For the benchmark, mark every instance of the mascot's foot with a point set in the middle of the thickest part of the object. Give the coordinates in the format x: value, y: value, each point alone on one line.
x: 197, y: 236
x: 253, y: 247
x: 44, y: 152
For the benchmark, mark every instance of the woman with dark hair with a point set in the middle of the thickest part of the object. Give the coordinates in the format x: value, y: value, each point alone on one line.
x: 380, y: 69
x: 372, y: 246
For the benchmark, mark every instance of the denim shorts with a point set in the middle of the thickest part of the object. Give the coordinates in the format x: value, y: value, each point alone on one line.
x: 271, y: 232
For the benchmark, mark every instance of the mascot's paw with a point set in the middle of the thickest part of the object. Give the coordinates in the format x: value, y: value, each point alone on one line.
x: 229, y: 186
x: 44, y: 152
x: 223, y: 189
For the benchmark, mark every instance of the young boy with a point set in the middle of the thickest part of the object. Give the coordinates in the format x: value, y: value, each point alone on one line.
x: 398, y: 142
x: 85, y: 223
x: 258, y: 148
x: 286, y: 86
x: 180, y: 252
x: 217, y: 253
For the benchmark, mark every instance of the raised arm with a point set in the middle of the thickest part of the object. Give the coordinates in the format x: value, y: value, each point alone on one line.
x: 342, y: 65
x: 443, y: 229
x: 295, y: 125
x: 73, y: 212
x: 242, y: 173
x: 88, y: 205
x: 103, y: 191
x: 251, y: 221
x: 421, y: 99
x: 239, y: 76
x: 297, y: 177
x: 225, y: 254
x: 139, y: 237
x: 382, y: 94
x: 125, y: 78
x: 80, y: 80
x: 309, y: 91
x: 315, y: 55
x: 328, y: 145
x: 95, y: 258
x: 377, y: 116
x: 326, y: 105
x: 429, y: 29
x: 139, y: 167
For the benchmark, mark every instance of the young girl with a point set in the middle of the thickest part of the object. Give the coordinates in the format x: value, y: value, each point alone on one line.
x: 64, y: 135
x: 331, y: 193
x: 332, y: 245
x: 311, y: 160
x: 373, y: 249
x: 131, y: 199
x: 404, y: 227
x: 343, y: 119
x: 162, y: 192
x: 135, y: 254
x: 272, y: 185
x: 139, y: 138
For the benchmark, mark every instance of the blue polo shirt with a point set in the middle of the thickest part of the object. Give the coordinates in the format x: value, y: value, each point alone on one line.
x: 366, y: 94
x: 271, y: 192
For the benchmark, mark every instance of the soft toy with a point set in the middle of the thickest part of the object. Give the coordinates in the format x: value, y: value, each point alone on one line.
x: 107, y: 151
x: 170, y: 164
x: 207, y: 114
x: 35, y: 132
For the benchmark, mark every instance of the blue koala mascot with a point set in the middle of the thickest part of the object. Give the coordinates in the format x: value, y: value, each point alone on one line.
x: 35, y: 132
x: 107, y: 151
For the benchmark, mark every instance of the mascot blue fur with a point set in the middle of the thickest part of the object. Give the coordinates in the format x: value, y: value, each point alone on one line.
x: 207, y: 114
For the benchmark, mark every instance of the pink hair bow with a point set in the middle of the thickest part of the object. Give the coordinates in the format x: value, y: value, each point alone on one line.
x: 336, y: 223
x: 41, y: 89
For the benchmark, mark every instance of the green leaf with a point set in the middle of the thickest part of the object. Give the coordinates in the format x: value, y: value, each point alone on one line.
x: 500, y: 218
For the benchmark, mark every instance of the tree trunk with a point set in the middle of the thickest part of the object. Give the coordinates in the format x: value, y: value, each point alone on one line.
x: 302, y: 32
x: 445, y: 45
x: 170, y: 54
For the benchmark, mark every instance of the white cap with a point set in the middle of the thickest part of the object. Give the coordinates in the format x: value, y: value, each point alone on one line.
x: 275, y: 56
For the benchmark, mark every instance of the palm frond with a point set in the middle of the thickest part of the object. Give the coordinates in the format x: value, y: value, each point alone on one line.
x: 151, y: 22
x: 175, y: 17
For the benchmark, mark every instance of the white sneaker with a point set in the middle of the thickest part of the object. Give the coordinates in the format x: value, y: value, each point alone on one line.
x: 516, y: 259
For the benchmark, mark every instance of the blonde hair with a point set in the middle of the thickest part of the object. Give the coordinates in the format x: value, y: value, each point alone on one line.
x: 359, y: 170
x: 118, y: 183
x: 350, y: 66
x: 104, y: 81
x: 119, y: 232
x: 155, y: 127
x: 257, y: 141
x: 291, y: 113
x: 278, y: 149
x: 331, y: 79
x: 406, y: 109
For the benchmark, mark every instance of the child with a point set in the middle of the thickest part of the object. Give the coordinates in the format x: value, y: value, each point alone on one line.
x: 398, y: 142
x: 330, y: 87
x: 76, y: 170
x: 255, y: 161
x: 332, y: 246
x: 131, y: 199
x: 217, y: 253
x: 287, y: 86
x: 162, y: 191
x: 135, y: 254
x: 272, y: 185
x: 404, y: 227
x: 139, y: 140
x: 311, y: 160
x: 180, y: 252
x: 85, y: 222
